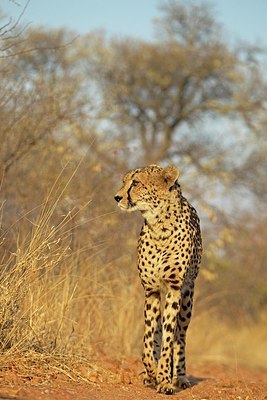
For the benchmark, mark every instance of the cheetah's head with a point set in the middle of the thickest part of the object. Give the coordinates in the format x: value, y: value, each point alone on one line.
x: 147, y: 189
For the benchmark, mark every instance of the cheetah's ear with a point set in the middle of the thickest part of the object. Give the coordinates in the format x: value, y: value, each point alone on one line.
x: 170, y: 174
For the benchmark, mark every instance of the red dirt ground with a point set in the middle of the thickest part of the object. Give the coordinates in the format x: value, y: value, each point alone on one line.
x: 115, y: 380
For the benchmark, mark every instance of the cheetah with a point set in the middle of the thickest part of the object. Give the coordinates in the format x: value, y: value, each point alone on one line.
x: 169, y: 254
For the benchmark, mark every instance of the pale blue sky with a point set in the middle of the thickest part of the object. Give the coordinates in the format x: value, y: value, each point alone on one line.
x: 243, y: 19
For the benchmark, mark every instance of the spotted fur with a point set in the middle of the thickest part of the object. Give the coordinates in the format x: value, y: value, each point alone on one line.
x: 169, y: 254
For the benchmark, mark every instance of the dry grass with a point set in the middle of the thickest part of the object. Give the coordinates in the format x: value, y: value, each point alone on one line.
x: 57, y: 307
x: 211, y: 339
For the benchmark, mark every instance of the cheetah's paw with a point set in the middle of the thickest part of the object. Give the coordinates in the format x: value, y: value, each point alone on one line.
x: 183, y: 382
x: 148, y: 380
x: 165, y: 387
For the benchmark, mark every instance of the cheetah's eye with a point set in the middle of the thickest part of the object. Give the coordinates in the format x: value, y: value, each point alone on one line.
x: 134, y: 183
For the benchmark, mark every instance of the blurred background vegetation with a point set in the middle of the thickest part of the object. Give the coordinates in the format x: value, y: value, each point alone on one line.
x: 76, y: 113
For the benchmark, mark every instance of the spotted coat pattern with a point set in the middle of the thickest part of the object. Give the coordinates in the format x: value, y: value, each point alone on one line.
x: 169, y: 254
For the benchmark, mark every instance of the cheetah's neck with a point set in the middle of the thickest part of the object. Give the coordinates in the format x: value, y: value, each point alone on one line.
x: 160, y: 221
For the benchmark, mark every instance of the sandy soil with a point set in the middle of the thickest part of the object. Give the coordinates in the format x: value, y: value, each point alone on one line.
x: 114, y: 380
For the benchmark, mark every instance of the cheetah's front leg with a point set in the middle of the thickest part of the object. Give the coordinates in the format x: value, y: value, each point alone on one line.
x: 151, y: 336
x: 164, y: 371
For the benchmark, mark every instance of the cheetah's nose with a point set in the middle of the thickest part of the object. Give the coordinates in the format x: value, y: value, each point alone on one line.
x: 118, y: 198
